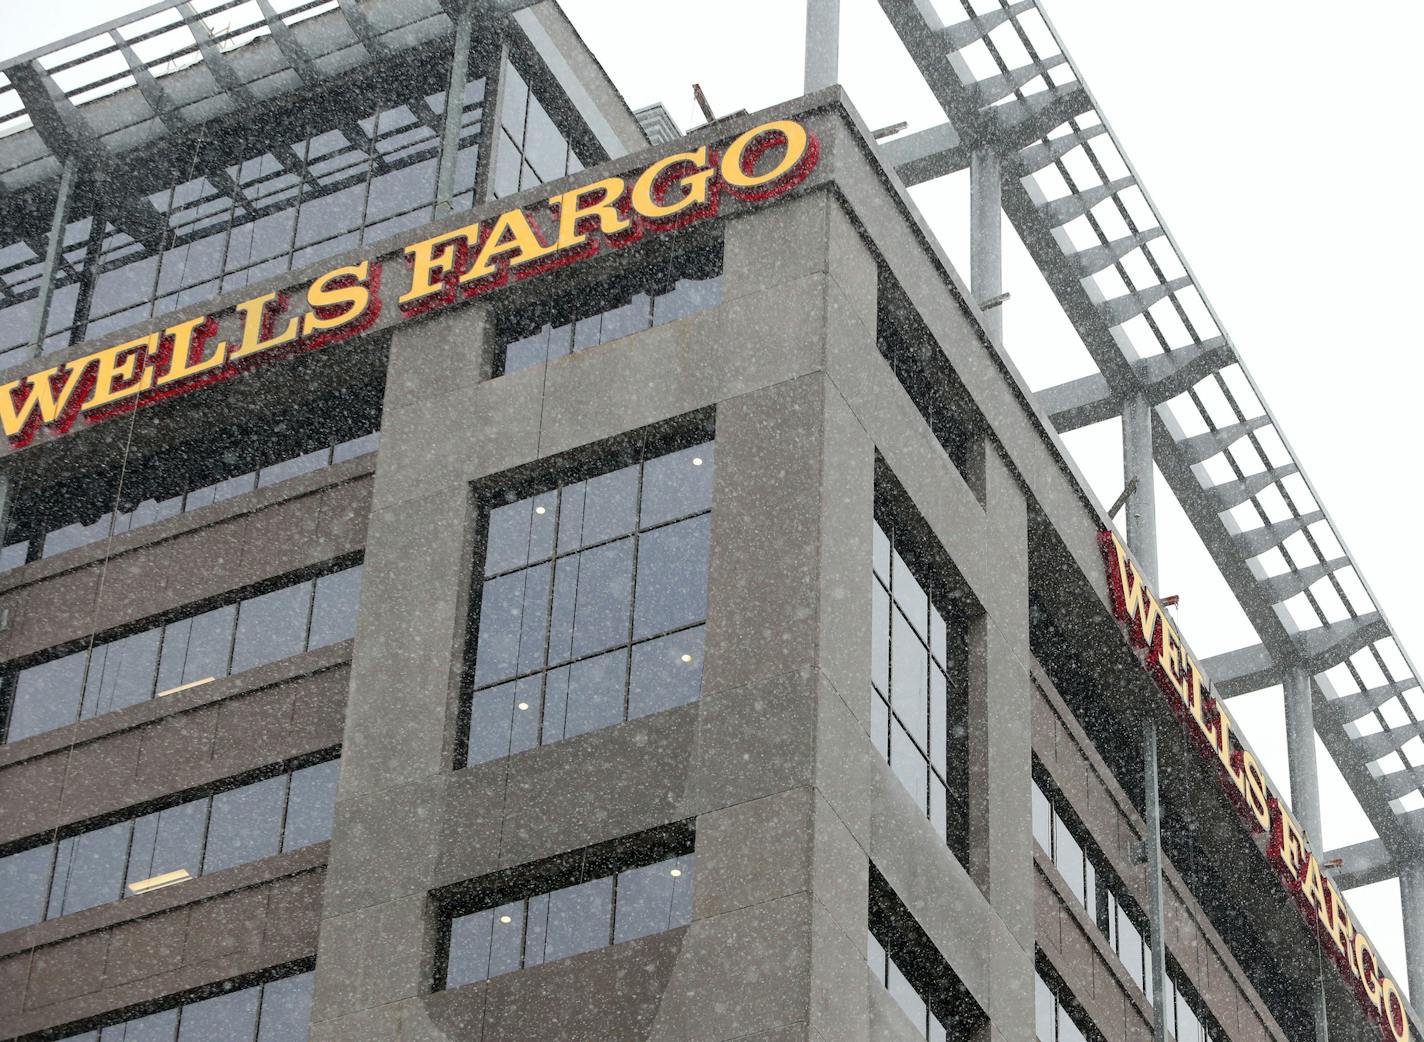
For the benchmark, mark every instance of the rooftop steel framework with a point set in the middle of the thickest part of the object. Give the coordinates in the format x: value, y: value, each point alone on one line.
x: 1021, y: 119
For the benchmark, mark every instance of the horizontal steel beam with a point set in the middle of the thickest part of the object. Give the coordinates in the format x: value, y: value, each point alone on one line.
x: 1360, y: 864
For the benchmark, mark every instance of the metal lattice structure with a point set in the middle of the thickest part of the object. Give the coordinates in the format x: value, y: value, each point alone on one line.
x: 1011, y: 93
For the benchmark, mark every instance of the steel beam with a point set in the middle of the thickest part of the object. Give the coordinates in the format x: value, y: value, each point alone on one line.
x: 1411, y: 901
x: 1142, y: 501
x: 986, y: 239
x: 454, y: 109
x: 1300, y: 752
x: 1360, y: 864
x: 823, y: 44
x: 54, y: 250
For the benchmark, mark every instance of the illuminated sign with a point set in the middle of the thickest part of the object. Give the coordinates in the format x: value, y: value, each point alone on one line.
x: 672, y: 192
x: 1180, y: 678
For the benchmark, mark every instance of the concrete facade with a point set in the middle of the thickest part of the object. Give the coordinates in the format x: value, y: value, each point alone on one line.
x: 794, y: 810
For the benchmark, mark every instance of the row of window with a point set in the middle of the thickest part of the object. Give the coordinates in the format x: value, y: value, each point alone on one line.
x: 71, y: 534
x: 1126, y: 932
x: 278, y: 1011
x: 165, y: 847
x: 650, y: 298
x: 183, y: 653
x: 918, y: 685
x: 592, y: 601
x: 576, y: 902
x: 906, y: 996
x: 545, y: 927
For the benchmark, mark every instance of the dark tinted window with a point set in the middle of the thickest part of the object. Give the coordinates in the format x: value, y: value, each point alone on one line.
x: 278, y: 1011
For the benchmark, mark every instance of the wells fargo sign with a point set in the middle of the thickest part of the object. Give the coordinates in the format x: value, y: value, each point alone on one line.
x: 671, y: 193
x: 1209, y: 731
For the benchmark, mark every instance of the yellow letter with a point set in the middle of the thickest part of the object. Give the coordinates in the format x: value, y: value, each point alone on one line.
x: 1368, y: 963
x: 41, y: 397
x: 1342, y: 927
x: 647, y: 191
x: 256, y: 326
x: 743, y: 153
x: 602, y: 208
x: 431, y: 260
x: 334, y: 306
x: 1392, y: 1006
x: 1256, y: 789
x: 513, y: 235
x: 111, y: 379
x: 187, y: 336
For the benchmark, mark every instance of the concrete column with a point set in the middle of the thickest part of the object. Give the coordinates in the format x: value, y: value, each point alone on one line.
x: 823, y: 43
x: 1000, y: 752
x: 986, y: 235
x: 1155, y: 915
x: 1411, y: 901
x: 1300, y: 750
x: 1142, y: 503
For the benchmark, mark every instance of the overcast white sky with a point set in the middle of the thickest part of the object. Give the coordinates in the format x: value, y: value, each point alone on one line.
x: 1272, y: 142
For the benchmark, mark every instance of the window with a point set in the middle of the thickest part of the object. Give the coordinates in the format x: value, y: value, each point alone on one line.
x: 1052, y: 1020
x: 610, y: 894
x: 168, y: 846
x: 183, y: 653
x: 918, y: 678
x: 278, y: 1011
x: 655, y: 296
x: 592, y: 603
x: 1116, y: 915
x: 32, y: 534
x: 531, y: 149
x: 909, y: 966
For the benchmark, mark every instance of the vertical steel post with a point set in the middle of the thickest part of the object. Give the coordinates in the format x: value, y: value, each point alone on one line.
x: 986, y: 237
x: 823, y: 43
x: 1300, y: 752
x: 454, y: 110
x: 53, y: 250
x: 1142, y: 541
x: 1155, y: 915
x: 1411, y: 901
x: 1142, y: 503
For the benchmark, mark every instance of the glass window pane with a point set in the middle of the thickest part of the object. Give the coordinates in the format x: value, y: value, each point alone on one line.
x: 310, y: 804
x: 677, y: 484
x: 604, y: 577
x: 491, y: 724
x: 24, y: 879
x: 1043, y: 1010
x: 513, y: 613
x: 909, y: 672
x: 909, y: 765
x: 1068, y: 856
x: 121, y: 673
x: 156, y: 1027
x: 910, y: 596
x: 271, y: 627
x: 222, y: 1018
x: 667, y: 672
x: 245, y: 825
x: 880, y: 553
x: 47, y: 696
x: 1042, y: 820
x: 519, y: 533
x: 905, y: 996
x: 880, y: 638
x: 168, y: 840
x: 595, y: 693
x: 286, y: 1010
x: 578, y: 919
x: 939, y: 710
x: 93, y: 869
x: 601, y: 508
x: 470, y: 947
x: 527, y: 351
x: 196, y: 648
x: 880, y: 724
x: 646, y: 899
x: 338, y: 596
x: 671, y: 589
